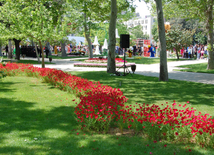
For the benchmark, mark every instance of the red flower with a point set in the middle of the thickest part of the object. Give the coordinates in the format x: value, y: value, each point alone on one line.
x: 176, y: 133
x: 165, y: 145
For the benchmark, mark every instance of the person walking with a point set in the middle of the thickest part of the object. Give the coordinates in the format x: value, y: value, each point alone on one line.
x: 189, y: 52
x: 199, y: 52
x: 46, y: 51
x: 55, y: 49
x: 71, y: 48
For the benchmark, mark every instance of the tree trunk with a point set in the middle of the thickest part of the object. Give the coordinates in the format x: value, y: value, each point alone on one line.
x: 37, y: 54
x: 111, y: 67
x: 43, y: 57
x: 63, y: 49
x: 49, y: 49
x: 87, y: 36
x: 89, y: 46
x: 163, y: 76
x: 17, y: 48
x: 177, y: 53
x: 209, y: 27
x: 10, y: 53
x: 1, y: 51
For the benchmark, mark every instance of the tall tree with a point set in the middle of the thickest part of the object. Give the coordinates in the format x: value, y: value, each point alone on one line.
x: 199, y: 9
x: 35, y: 20
x: 111, y: 68
x: 177, y: 38
x: 163, y: 76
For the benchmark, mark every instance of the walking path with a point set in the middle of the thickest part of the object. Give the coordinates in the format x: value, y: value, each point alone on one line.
x: 141, y: 69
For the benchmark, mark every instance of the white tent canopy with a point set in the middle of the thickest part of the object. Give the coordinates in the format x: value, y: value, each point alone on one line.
x: 105, y: 46
x: 96, y: 41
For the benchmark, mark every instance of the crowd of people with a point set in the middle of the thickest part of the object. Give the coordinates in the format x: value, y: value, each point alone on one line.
x: 137, y: 50
x: 198, y: 51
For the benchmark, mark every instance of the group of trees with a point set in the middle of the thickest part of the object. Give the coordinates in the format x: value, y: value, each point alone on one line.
x: 40, y: 21
x: 47, y: 21
x: 192, y: 10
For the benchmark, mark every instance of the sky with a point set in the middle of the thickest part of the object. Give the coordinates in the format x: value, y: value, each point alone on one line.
x: 142, y: 8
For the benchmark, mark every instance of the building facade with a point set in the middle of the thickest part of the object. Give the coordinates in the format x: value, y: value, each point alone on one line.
x: 146, y: 23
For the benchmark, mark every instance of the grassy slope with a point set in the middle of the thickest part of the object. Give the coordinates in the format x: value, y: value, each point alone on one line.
x: 198, y: 68
x: 30, y: 109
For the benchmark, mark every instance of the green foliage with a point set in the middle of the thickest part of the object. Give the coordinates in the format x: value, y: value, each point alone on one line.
x: 155, y: 31
x: 178, y: 38
x: 2, y: 75
x: 200, y: 38
x: 38, y: 20
x: 191, y: 25
x: 137, y: 32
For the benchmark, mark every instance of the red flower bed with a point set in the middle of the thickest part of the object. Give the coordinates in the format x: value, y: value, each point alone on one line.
x: 101, y: 105
x: 103, y: 60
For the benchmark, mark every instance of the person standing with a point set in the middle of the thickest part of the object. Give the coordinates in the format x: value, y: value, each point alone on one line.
x: 6, y: 50
x: 189, y: 52
x: 182, y: 52
x: 199, y: 52
x: 151, y: 51
x: 46, y: 51
x: 55, y: 49
x: 71, y: 47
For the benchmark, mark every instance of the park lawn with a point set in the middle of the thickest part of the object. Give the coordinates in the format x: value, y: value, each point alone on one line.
x: 198, y: 68
x: 68, y: 57
x: 37, y: 118
x: 71, y: 57
x: 27, y: 61
x: 148, y: 60
x: 143, y: 89
x: 144, y: 60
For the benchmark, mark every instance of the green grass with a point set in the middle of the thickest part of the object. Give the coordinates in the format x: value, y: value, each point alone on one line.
x: 143, y: 89
x: 37, y: 118
x: 68, y: 57
x: 147, y: 60
x: 27, y: 61
x: 198, y: 68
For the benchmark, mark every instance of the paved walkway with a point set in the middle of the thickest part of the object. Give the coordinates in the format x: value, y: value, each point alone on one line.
x: 146, y: 70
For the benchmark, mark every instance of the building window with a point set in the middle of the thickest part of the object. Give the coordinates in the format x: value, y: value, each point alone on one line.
x: 145, y: 27
x: 146, y: 21
x: 135, y: 22
x: 142, y: 21
x: 142, y: 27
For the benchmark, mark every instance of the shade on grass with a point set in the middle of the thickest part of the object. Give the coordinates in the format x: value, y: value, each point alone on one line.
x: 37, y: 118
x: 143, y: 89
x: 198, y: 68
x: 27, y: 61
